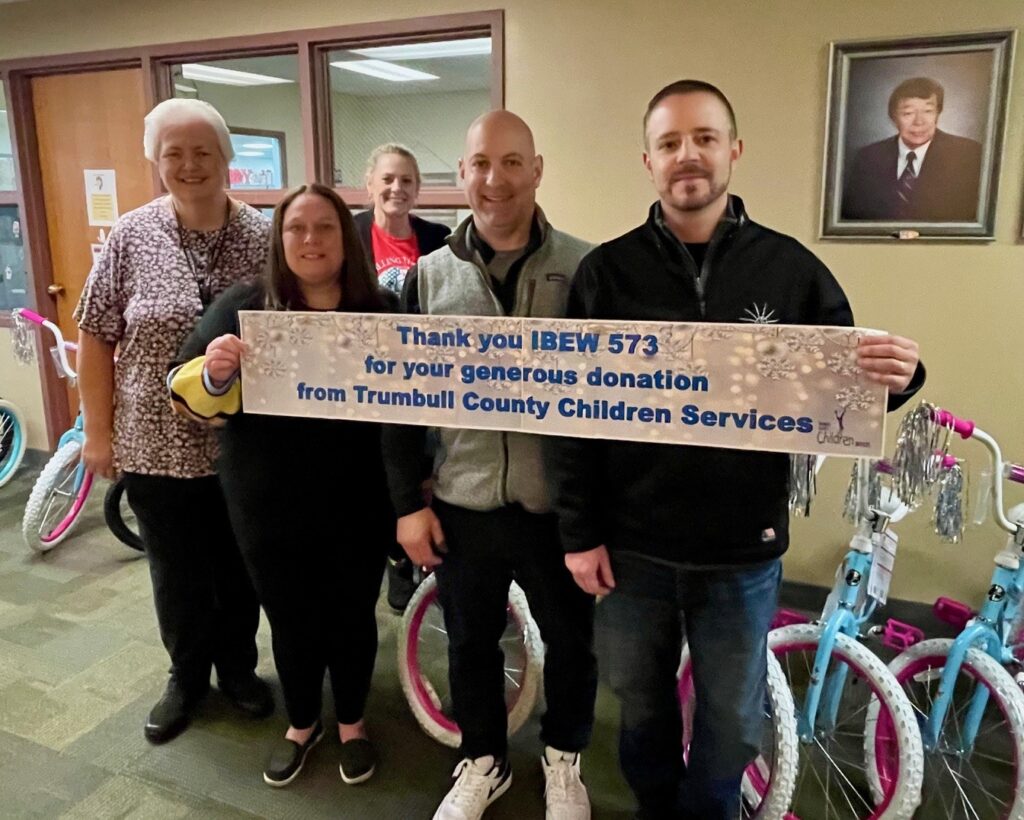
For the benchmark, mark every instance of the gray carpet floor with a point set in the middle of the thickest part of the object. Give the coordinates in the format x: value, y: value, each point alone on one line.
x: 81, y: 664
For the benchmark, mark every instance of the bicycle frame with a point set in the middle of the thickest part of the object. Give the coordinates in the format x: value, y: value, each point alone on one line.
x: 825, y: 690
x: 62, y: 348
x: 989, y: 629
x: 821, y: 706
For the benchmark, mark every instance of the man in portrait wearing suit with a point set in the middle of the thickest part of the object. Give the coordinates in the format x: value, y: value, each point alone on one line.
x: 921, y: 174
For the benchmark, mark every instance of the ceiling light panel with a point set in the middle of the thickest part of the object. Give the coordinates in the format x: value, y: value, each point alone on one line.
x: 385, y: 71
x: 227, y: 76
x: 429, y: 51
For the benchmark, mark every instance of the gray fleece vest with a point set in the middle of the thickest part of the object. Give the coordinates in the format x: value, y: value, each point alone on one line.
x: 485, y: 469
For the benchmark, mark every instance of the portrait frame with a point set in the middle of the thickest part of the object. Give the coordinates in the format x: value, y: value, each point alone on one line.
x: 955, y: 191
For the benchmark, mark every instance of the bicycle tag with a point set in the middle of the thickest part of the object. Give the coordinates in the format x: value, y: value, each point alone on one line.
x: 885, y: 544
x: 56, y: 362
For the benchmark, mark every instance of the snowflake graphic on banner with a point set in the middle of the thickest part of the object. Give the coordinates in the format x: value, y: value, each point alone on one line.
x: 855, y: 397
x: 271, y: 368
x: 843, y: 363
x: 776, y: 367
x: 804, y: 341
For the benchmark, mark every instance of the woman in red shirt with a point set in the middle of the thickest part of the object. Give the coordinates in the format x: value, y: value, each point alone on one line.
x: 394, y: 239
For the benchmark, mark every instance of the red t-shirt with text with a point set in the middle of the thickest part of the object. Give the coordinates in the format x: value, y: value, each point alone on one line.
x: 394, y: 257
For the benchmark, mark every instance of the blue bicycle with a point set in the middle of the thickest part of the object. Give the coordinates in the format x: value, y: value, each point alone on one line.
x: 850, y: 708
x: 969, y: 707
x: 12, y: 440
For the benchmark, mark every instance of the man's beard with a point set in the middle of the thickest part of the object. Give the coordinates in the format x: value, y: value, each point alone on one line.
x: 693, y: 203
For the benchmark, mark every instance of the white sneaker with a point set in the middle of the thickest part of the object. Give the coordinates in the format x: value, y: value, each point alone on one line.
x: 478, y: 783
x: 565, y: 795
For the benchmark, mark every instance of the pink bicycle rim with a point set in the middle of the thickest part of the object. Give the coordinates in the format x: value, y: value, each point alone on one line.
x: 684, y: 691
x: 76, y: 508
x: 413, y: 662
x: 884, y: 755
x: 922, y: 665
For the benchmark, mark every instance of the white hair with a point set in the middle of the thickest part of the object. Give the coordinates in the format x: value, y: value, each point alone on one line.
x: 177, y: 111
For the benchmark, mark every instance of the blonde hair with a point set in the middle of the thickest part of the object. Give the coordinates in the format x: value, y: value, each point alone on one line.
x: 392, y: 148
x: 176, y: 111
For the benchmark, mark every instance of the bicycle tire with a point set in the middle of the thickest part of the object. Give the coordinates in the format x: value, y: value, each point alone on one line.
x: 767, y: 789
x: 920, y: 665
x: 114, y: 517
x: 420, y: 694
x: 905, y: 755
x: 12, y: 440
x: 58, y: 470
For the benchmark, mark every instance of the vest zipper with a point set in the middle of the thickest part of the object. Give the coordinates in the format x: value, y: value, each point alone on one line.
x: 503, y: 472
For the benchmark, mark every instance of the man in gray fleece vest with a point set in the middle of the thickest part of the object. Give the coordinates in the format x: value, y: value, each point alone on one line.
x: 490, y: 518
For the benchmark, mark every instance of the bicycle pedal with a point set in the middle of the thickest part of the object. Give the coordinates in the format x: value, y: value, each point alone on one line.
x: 952, y: 612
x: 900, y: 636
x: 787, y: 617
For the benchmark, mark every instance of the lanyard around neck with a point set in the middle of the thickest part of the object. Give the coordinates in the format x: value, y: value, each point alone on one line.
x: 202, y: 278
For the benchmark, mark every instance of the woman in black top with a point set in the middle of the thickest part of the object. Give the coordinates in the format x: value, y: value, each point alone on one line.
x: 307, y: 497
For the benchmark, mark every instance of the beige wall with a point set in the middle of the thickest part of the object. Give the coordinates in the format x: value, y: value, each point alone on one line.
x: 20, y: 385
x: 580, y: 71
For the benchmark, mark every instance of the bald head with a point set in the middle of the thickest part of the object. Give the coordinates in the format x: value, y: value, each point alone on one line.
x: 510, y: 126
x: 501, y: 171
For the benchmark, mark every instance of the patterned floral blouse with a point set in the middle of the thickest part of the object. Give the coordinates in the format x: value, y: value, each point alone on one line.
x: 143, y: 296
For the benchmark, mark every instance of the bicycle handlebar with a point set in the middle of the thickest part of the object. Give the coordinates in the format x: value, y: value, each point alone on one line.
x: 62, y: 345
x: 962, y: 427
x: 32, y: 316
x: 968, y: 429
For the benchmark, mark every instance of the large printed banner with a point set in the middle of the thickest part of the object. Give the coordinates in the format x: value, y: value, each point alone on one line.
x: 793, y: 389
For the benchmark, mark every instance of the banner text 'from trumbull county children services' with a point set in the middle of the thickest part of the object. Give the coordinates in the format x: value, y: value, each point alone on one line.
x: 783, y: 388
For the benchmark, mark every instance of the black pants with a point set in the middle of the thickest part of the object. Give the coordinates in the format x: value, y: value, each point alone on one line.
x: 205, y: 604
x: 319, y: 587
x: 486, y: 551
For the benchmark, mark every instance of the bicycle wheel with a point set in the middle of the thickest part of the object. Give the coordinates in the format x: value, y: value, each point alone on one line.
x: 423, y: 662
x: 984, y: 782
x: 12, y: 440
x: 57, y: 499
x: 120, y: 518
x: 831, y: 778
x: 768, y: 782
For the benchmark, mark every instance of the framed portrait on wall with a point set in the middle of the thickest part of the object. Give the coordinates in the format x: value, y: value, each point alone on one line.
x: 915, y: 135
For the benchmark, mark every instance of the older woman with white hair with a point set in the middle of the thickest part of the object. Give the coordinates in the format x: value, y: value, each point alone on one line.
x: 161, y: 266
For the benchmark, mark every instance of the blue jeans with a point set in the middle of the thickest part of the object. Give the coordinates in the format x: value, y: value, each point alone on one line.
x: 727, y: 615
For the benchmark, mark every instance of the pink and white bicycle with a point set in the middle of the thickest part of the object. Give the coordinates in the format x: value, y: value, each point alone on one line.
x: 59, y: 494
x: 423, y: 662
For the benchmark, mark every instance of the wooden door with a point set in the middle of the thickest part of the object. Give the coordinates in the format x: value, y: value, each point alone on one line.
x: 87, y: 121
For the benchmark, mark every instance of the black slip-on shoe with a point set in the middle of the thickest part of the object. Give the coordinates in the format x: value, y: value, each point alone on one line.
x: 358, y: 761
x: 288, y: 757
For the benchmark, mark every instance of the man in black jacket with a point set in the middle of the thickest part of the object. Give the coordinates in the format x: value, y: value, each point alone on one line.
x: 666, y: 530
x: 921, y: 174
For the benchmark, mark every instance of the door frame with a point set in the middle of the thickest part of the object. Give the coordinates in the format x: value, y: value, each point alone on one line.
x: 32, y: 207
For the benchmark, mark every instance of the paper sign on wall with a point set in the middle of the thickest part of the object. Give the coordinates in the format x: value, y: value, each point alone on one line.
x: 101, y: 197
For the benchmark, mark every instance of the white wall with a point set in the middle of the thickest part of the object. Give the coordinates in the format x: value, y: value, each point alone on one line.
x: 20, y: 385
